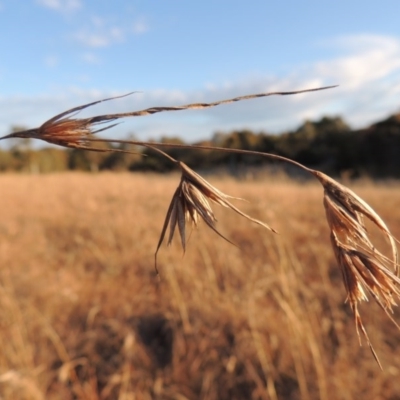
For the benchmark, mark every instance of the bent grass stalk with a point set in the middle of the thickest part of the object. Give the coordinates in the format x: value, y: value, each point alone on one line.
x: 364, y: 269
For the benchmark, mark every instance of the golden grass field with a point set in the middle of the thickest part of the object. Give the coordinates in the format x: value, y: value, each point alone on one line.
x: 83, y: 315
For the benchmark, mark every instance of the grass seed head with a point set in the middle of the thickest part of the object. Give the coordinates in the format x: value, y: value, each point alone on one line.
x: 191, y: 202
x: 365, y: 270
x: 345, y: 212
x: 66, y: 131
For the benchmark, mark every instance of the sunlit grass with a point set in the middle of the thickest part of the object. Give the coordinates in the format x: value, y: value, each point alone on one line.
x: 84, y: 316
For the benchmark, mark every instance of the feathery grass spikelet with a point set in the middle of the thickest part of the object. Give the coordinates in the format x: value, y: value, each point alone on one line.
x: 63, y: 130
x: 190, y: 202
x: 346, y: 210
x: 364, y: 273
x: 364, y: 269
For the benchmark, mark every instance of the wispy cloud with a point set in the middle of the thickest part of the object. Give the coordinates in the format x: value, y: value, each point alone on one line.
x: 367, y: 58
x: 90, y: 58
x: 51, y: 61
x: 61, y: 5
x: 91, y: 39
x: 140, y: 26
x: 367, y: 69
x: 103, y: 38
x: 101, y: 33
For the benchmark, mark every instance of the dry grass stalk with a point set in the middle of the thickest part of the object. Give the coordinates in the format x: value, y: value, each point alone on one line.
x: 190, y: 202
x: 66, y: 131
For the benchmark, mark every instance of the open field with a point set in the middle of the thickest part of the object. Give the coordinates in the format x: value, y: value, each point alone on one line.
x: 83, y: 316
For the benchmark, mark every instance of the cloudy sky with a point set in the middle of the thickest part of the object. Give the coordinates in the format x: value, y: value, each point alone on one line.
x: 56, y: 54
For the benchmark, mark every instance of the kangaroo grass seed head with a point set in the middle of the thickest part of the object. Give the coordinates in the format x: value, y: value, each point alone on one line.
x: 191, y: 202
x: 66, y: 131
x: 345, y: 211
x: 365, y: 270
x: 215, y: 195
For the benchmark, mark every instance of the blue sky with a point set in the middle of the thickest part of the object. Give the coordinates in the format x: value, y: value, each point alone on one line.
x: 56, y: 54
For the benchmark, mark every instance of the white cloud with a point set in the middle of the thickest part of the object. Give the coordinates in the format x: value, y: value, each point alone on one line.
x: 51, y: 61
x: 97, y: 21
x: 99, y: 34
x: 90, y: 58
x: 368, y: 58
x: 367, y: 69
x: 91, y: 39
x: 139, y: 27
x: 61, y: 5
x: 100, y: 39
x: 116, y: 34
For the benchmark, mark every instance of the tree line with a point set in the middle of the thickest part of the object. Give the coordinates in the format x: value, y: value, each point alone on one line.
x: 328, y: 144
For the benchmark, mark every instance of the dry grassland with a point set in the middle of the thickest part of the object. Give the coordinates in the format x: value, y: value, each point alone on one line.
x: 83, y: 316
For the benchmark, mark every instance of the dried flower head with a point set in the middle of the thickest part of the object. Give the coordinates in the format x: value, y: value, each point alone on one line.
x: 66, y: 131
x: 345, y: 213
x: 190, y: 202
x: 364, y: 269
x: 363, y: 273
